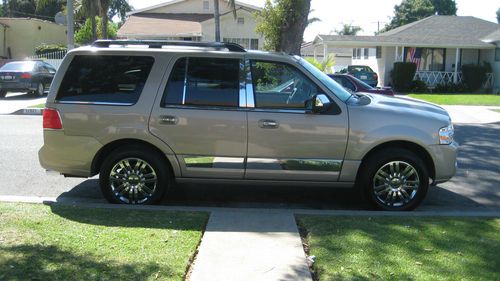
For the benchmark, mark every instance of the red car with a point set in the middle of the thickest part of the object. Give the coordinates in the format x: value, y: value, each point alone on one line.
x: 355, y: 85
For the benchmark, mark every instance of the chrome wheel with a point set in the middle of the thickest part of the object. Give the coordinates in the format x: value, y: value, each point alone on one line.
x: 133, y: 181
x: 40, y: 90
x: 396, y: 183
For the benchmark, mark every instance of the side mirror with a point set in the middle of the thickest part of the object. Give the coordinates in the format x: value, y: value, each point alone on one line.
x: 318, y: 104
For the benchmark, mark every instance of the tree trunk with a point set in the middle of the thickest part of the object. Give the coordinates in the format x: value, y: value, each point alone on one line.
x: 92, y: 20
x: 104, y: 26
x: 217, y: 20
x: 293, y: 29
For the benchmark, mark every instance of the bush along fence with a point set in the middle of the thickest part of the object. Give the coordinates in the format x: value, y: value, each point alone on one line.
x: 53, y: 58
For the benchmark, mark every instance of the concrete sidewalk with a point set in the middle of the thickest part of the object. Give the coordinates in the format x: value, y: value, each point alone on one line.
x: 468, y: 114
x: 18, y: 101
x: 259, y: 245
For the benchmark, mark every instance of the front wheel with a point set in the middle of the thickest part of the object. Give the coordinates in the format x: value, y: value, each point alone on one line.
x: 394, y: 180
x: 134, y: 175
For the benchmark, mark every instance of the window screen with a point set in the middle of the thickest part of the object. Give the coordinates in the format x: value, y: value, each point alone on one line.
x: 209, y: 82
x: 110, y: 79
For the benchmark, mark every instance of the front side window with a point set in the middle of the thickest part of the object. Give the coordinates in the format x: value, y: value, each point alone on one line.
x: 203, y: 82
x: 108, y: 79
x: 281, y: 86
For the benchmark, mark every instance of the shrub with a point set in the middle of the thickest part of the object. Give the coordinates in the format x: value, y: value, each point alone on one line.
x: 449, y: 87
x: 84, y: 35
x: 418, y: 86
x: 402, y: 75
x: 474, y: 75
x: 49, y: 48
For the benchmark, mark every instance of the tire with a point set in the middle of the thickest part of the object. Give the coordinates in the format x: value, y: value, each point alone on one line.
x: 126, y: 184
x: 40, y: 90
x: 394, y: 180
x: 3, y: 94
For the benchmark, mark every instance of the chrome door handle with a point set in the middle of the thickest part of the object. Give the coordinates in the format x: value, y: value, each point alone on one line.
x: 268, y: 124
x: 168, y: 120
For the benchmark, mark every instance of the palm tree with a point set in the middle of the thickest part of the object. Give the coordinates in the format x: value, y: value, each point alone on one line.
x: 103, y: 12
x: 232, y: 5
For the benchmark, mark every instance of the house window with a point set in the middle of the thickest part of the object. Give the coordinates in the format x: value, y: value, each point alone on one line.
x: 378, y: 52
x: 206, y: 5
x: 354, y: 53
x: 497, y: 54
x: 241, y: 20
x: 427, y: 59
x: 254, y: 44
x: 247, y: 43
x: 366, y: 53
x: 358, y: 53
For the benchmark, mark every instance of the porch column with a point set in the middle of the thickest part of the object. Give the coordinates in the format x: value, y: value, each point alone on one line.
x: 397, y: 55
x: 325, y: 51
x: 455, y: 75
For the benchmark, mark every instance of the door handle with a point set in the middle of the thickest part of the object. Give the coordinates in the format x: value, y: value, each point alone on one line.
x: 268, y: 124
x: 168, y: 120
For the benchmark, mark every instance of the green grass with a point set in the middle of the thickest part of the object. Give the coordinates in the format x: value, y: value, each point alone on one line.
x: 42, y: 105
x: 403, y: 248
x: 40, y: 242
x: 459, y: 99
x: 496, y: 110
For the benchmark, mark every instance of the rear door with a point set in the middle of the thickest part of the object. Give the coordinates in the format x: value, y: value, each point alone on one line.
x: 284, y: 141
x: 200, y: 118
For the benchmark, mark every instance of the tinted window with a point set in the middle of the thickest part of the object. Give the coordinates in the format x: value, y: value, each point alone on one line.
x: 278, y: 85
x: 209, y: 82
x: 112, y: 79
x: 19, y: 66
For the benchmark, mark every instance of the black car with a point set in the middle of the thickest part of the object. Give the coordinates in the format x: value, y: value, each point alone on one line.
x: 26, y: 76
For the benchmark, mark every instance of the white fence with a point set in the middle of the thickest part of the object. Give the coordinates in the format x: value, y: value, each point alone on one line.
x: 434, y: 78
x: 53, y: 59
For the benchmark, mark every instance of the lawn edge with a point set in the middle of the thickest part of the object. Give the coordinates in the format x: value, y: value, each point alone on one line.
x: 304, y: 238
x: 192, y: 259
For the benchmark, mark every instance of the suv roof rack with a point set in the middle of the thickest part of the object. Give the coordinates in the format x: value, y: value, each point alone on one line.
x: 232, y: 47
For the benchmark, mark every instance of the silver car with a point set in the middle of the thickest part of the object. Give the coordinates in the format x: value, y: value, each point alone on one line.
x: 146, y: 114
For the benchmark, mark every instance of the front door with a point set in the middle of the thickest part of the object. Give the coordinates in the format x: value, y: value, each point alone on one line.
x: 284, y: 141
x: 200, y: 119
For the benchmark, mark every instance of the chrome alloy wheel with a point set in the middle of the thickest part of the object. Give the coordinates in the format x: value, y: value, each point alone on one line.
x: 133, y: 181
x: 396, y: 183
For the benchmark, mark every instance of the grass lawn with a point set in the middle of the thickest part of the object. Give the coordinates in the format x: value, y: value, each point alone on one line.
x: 40, y: 242
x: 403, y: 248
x: 42, y: 105
x: 459, y: 99
x: 496, y: 110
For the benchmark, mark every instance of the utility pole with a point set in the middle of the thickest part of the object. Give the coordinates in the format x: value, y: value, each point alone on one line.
x: 70, y: 24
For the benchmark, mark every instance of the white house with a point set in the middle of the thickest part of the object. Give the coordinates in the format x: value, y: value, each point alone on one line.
x: 193, y: 20
x: 342, y: 56
x: 438, y: 44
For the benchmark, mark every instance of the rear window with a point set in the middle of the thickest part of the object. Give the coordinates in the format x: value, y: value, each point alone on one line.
x: 105, y: 79
x: 19, y: 66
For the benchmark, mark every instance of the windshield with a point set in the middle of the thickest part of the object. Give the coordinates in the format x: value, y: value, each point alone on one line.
x: 359, y: 68
x: 366, y: 86
x: 338, y: 90
x: 19, y: 66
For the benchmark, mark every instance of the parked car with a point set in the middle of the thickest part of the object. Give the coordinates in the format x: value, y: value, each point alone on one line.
x: 363, y: 73
x: 145, y: 118
x: 353, y: 84
x: 26, y: 76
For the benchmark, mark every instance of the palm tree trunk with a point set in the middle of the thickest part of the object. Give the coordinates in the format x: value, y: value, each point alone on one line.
x: 217, y: 20
x: 92, y: 14
x: 104, y: 26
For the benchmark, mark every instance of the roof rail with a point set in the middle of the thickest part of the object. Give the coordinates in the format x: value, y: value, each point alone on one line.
x: 158, y: 44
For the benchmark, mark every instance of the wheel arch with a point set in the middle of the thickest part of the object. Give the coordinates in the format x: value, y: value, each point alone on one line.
x: 419, y: 151
x: 111, y: 146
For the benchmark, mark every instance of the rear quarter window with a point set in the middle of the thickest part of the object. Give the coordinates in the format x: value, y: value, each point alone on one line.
x: 105, y: 79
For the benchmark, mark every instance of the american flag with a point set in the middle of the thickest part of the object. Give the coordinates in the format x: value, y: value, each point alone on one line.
x: 416, y: 56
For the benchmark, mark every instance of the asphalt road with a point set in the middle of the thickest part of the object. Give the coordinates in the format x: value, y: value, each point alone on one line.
x: 475, y: 187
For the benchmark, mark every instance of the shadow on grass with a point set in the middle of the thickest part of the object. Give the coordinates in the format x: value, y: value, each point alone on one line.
x: 39, y: 262
x: 403, y: 249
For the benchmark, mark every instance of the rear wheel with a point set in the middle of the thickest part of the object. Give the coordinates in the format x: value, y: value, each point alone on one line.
x: 3, y: 94
x: 134, y: 175
x: 394, y: 180
x: 40, y: 90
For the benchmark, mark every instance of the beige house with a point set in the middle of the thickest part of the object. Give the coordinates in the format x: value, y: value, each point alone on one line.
x: 193, y: 20
x: 20, y: 36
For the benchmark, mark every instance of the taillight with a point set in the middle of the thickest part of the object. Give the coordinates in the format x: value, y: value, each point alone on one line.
x: 375, y: 76
x: 51, y: 119
x: 26, y: 75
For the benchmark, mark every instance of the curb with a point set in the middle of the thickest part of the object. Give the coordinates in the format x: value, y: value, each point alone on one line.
x: 28, y: 111
x: 340, y: 213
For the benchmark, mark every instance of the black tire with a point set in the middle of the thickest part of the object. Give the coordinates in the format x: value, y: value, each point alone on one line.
x: 403, y: 159
x: 40, y: 90
x: 3, y: 94
x: 136, y: 179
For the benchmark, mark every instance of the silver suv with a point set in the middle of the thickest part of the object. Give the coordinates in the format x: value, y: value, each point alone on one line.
x: 146, y: 114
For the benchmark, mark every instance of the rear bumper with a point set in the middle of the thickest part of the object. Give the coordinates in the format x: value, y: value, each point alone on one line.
x: 18, y: 86
x: 445, y: 161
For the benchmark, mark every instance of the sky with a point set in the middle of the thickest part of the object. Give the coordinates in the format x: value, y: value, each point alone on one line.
x: 365, y: 13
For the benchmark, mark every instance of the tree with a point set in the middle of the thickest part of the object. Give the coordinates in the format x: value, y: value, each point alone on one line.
x: 119, y: 8
x: 498, y: 15
x: 32, y: 8
x: 232, y: 6
x: 445, y: 7
x: 348, y: 29
x: 283, y: 23
x: 84, y: 34
x: 325, y: 65
x: 103, y: 13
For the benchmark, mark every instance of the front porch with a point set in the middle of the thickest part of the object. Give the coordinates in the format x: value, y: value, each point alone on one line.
x: 434, y: 78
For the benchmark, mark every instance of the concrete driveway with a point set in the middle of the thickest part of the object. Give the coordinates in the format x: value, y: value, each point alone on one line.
x: 476, y: 186
x: 16, y: 101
